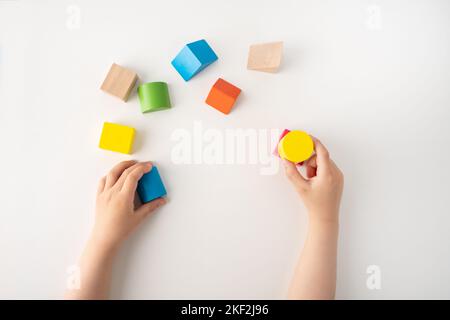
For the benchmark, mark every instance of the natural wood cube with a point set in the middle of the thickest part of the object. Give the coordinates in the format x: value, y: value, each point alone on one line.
x: 119, y: 82
x: 265, y: 57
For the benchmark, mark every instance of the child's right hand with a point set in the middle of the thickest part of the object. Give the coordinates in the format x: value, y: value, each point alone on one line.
x: 321, y: 190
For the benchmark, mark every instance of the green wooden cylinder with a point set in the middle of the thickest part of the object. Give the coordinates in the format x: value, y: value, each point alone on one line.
x: 154, y: 96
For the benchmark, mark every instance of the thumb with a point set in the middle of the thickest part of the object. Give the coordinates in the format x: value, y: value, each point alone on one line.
x: 146, y: 209
x: 299, y: 182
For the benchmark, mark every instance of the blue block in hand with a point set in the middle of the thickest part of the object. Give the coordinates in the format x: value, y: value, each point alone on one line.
x: 151, y: 186
x: 193, y: 58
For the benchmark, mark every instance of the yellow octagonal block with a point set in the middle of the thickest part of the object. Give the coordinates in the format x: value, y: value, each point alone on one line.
x: 117, y: 137
x: 296, y: 146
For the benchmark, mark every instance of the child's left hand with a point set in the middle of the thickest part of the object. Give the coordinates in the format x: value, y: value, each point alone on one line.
x: 116, y: 215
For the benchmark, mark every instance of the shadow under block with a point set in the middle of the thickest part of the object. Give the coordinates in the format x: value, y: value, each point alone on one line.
x: 193, y: 58
x: 296, y: 146
x: 119, y: 82
x: 265, y: 57
x: 150, y: 186
x: 117, y: 137
x: 222, y: 96
x: 154, y: 96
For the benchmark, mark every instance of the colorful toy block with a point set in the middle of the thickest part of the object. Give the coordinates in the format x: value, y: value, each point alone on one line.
x: 119, y: 82
x: 275, y: 152
x: 193, y: 58
x: 117, y: 137
x: 154, y: 96
x: 285, y: 132
x: 150, y: 186
x: 296, y: 146
x: 223, y: 95
x: 265, y: 57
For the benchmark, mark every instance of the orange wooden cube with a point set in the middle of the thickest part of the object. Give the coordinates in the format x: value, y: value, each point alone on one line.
x: 222, y: 96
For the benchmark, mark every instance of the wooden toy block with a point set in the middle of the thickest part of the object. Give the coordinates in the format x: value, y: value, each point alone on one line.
x: 296, y: 146
x: 117, y: 137
x: 223, y: 95
x: 193, y: 58
x: 154, y: 96
x: 119, y: 82
x: 285, y: 132
x: 265, y: 57
x: 275, y: 151
x: 150, y: 186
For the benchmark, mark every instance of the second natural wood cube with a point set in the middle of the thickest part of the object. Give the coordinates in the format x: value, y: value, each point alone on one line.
x: 119, y: 82
x: 265, y: 57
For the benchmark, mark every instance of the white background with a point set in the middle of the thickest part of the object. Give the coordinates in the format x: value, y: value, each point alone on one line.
x: 375, y: 92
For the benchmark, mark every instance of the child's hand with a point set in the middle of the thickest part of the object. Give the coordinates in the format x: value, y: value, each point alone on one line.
x: 321, y: 190
x: 116, y: 215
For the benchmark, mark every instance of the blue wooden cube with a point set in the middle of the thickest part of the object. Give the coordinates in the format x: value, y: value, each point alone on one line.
x: 193, y: 58
x: 151, y: 186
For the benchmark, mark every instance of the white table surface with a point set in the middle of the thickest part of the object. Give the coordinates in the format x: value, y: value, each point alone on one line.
x: 370, y: 78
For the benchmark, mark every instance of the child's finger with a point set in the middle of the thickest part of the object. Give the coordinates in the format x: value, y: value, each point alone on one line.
x: 120, y: 182
x: 295, y: 176
x: 131, y: 180
x: 146, y: 209
x: 311, y: 167
x: 116, y: 172
x: 323, y: 156
x: 101, y: 185
x: 311, y: 162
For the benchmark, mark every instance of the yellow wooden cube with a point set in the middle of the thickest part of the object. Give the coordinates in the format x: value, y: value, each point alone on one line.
x: 117, y: 137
